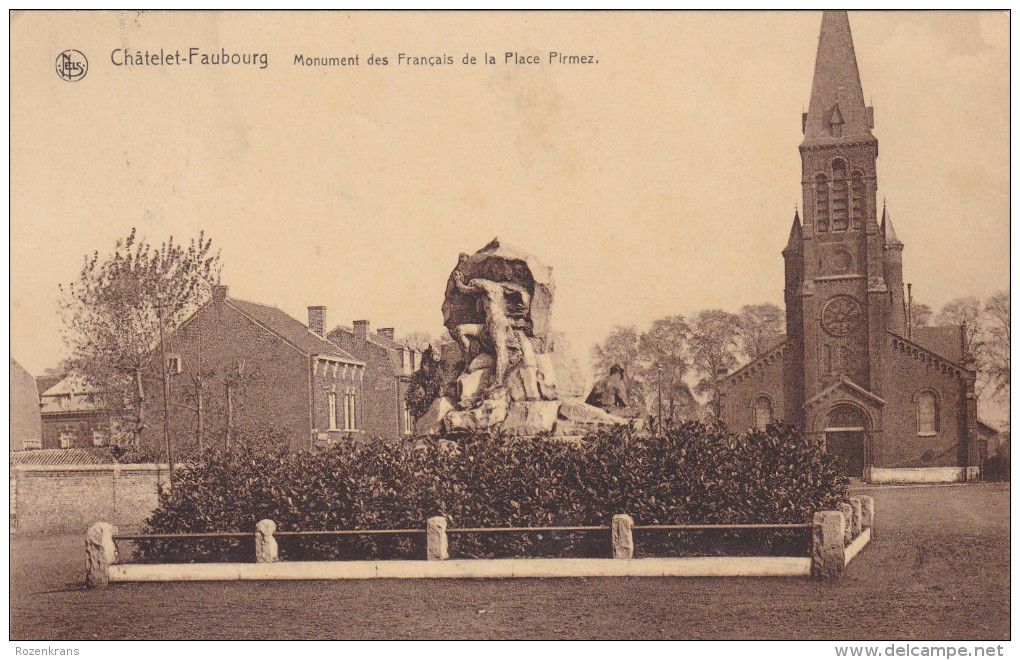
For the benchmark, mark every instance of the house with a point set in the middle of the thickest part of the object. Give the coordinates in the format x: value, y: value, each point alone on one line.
x: 896, y: 402
x: 73, y: 416
x: 240, y: 371
x: 26, y: 423
x: 388, y: 370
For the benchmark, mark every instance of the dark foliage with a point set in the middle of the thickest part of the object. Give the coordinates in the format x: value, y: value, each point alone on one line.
x: 690, y: 473
x: 425, y: 384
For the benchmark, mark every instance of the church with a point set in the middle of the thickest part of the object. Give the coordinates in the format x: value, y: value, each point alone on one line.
x: 896, y: 402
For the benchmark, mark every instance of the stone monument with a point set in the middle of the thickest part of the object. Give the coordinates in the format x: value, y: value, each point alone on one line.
x: 500, y: 371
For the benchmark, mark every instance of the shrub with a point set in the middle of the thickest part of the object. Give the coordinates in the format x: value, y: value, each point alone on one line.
x: 686, y: 474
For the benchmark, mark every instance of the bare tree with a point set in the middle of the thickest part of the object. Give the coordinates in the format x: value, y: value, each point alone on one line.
x: 417, y: 340
x: 965, y: 312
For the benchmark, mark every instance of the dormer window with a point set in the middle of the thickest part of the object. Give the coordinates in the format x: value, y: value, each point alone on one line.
x: 836, y: 122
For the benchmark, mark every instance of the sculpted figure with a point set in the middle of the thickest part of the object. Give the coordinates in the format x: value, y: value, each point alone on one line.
x: 498, y: 301
x: 611, y: 391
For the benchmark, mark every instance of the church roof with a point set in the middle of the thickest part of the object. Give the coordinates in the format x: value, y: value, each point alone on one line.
x: 836, y: 94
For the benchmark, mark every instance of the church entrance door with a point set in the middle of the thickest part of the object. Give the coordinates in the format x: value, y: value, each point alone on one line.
x: 846, y: 436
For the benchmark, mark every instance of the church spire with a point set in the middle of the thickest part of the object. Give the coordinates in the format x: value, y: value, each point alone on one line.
x: 796, y: 236
x: 837, y: 110
x: 887, y: 229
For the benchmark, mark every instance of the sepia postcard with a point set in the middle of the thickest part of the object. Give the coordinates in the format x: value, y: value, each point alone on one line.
x: 511, y: 325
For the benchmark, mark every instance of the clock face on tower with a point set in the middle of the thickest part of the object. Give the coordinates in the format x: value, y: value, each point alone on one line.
x: 841, y: 315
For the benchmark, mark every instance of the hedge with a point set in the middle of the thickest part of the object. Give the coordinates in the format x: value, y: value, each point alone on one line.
x: 691, y: 473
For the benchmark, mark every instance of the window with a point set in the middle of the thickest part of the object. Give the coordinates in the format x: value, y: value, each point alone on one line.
x: 857, y: 192
x: 408, y: 421
x: 840, y: 201
x: 822, y: 203
x: 31, y: 443
x: 67, y: 439
x: 349, y: 411
x: 173, y: 364
x: 100, y: 438
x: 332, y: 411
x: 927, y: 413
x: 762, y: 413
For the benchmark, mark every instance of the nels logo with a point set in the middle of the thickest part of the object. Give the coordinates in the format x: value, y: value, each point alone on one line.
x: 72, y: 65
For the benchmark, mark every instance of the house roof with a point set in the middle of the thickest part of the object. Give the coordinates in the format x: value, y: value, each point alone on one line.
x: 291, y: 330
x: 374, y: 337
x: 68, y: 385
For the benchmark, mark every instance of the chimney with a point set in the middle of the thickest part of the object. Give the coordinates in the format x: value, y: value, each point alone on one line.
x: 219, y: 293
x: 361, y: 330
x: 385, y: 332
x: 317, y: 320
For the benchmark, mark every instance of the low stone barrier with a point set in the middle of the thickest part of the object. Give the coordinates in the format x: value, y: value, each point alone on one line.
x: 837, y: 536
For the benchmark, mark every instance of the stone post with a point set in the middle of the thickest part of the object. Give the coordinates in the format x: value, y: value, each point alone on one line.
x: 437, y: 548
x: 100, y: 553
x: 858, y: 511
x: 867, y: 513
x: 266, y: 548
x: 828, y: 554
x: 623, y: 536
x: 848, y: 518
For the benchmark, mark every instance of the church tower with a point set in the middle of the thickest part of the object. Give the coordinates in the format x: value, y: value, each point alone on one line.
x: 895, y: 403
x: 843, y: 299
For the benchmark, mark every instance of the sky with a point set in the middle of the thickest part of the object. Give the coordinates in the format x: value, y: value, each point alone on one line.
x: 661, y: 180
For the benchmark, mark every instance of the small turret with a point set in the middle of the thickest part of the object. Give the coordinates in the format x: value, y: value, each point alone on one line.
x: 893, y: 265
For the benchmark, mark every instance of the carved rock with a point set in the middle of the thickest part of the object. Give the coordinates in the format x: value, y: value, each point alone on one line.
x: 578, y: 411
x: 431, y: 423
x: 531, y: 417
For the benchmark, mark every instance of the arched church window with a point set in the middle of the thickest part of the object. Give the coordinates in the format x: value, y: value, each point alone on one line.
x: 927, y: 413
x: 840, y: 196
x: 762, y: 412
x: 857, y: 192
x: 822, y: 203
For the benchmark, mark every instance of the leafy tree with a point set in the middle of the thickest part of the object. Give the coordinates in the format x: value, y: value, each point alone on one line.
x: 758, y: 326
x: 993, y: 346
x: 920, y: 315
x: 114, y: 310
x: 714, y: 342
x: 664, y: 362
x: 622, y: 347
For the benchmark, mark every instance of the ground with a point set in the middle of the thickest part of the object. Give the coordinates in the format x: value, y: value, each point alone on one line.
x: 938, y: 568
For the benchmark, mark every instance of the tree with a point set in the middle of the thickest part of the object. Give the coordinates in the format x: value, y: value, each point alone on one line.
x: 622, y: 347
x: 417, y: 340
x: 114, y: 310
x: 993, y: 346
x: 920, y: 315
x: 663, y: 362
x: 758, y: 327
x: 965, y: 312
x: 714, y: 343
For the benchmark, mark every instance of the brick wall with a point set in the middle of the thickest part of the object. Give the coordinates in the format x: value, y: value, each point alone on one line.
x: 381, y: 412
x: 272, y: 392
x: 69, y: 498
x: 764, y: 377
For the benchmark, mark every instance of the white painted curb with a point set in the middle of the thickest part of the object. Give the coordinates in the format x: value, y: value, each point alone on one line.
x: 469, y: 568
